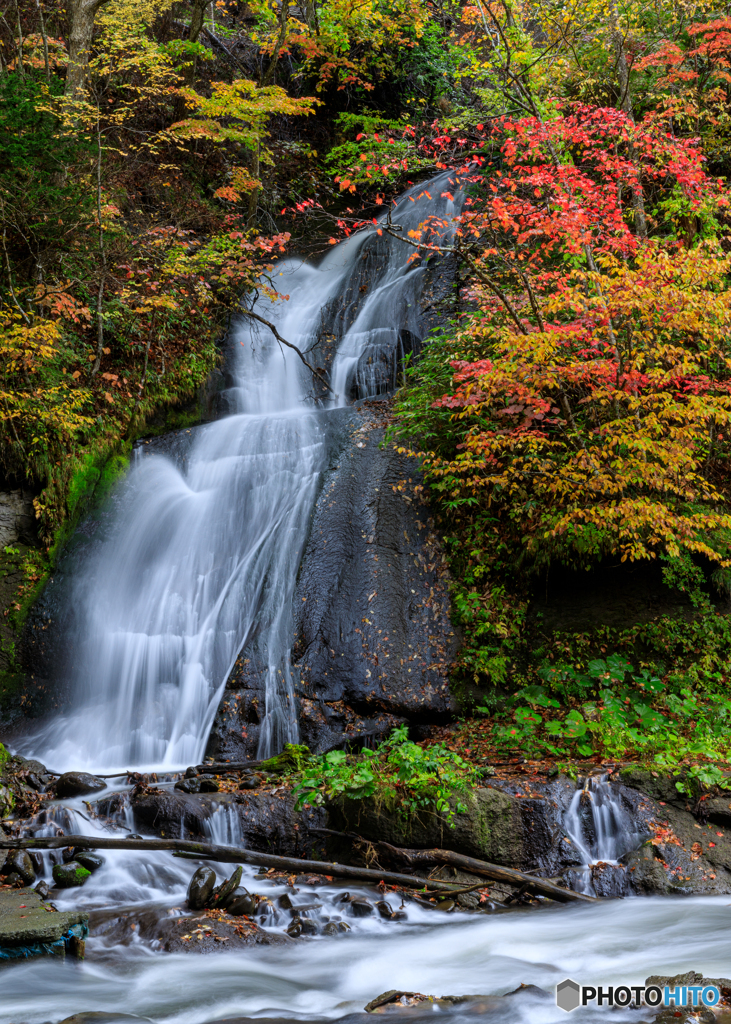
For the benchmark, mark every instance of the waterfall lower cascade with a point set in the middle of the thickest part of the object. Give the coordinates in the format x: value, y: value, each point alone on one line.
x: 203, y: 560
x: 601, y: 831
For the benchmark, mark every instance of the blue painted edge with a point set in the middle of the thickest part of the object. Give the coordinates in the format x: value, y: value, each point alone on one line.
x: 58, y: 948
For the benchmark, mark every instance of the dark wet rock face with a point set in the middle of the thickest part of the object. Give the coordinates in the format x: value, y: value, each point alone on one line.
x: 77, y: 784
x: 267, y: 819
x: 372, y: 623
x: 664, y: 849
x: 373, y: 639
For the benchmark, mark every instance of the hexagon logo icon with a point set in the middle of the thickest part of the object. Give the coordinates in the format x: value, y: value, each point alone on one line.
x: 568, y: 995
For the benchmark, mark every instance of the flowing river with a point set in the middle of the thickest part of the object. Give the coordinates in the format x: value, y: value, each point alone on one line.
x: 333, y: 977
x: 203, y: 559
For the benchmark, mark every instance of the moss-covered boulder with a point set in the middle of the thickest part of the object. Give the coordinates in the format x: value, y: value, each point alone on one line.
x: 7, y: 801
x: 294, y: 758
x: 491, y: 828
x: 67, y: 876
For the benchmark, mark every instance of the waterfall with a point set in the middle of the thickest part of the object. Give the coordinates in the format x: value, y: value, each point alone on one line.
x: 223, y: 826
x: 202, y: 560
x: 599, y: 828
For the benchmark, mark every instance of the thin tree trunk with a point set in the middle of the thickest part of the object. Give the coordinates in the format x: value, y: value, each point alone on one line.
x: 625, y: 102
x: 21, y: 68
x: 254, y: 194
x: 102, y: 258
x: 197, y: 19
x: 44, y: 35
x: 144, y: 372
x: 270, y: 73
x: 8, y: 266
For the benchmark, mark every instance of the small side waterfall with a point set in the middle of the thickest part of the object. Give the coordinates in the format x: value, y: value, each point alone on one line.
x: 223, y: 826
x: 203, y: 561
x: 600, y: 830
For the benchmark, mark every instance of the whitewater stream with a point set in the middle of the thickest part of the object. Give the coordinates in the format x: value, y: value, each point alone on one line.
x: 332, y: 977
x: 203, y: 559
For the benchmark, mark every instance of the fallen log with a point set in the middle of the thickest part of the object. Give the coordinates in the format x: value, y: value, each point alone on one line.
x: 221, y: 769
x: 495, y: 872
x: 232, y: 854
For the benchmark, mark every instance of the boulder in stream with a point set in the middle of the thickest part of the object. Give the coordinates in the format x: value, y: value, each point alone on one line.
x: 71, y: 875
x: 19, y: 862
x: 241, y: 904
x: 72, y: 784
x: 88, y: 859
x: 220, y: 896
x: 196, y: 933
x: 200, y: 888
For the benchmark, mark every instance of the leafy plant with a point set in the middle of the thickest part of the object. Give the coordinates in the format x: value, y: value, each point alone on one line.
x: 615, y: 712
x: 417, y: 777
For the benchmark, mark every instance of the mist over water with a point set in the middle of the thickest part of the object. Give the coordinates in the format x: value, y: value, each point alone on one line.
x: 203, y: 560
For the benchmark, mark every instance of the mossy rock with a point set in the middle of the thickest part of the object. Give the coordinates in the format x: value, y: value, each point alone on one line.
x: 7, y: 801
x: 67, y: 876
x: 490, y: 828
x: 294, y: 758
x: 4, y: 756
x: 656, y: 784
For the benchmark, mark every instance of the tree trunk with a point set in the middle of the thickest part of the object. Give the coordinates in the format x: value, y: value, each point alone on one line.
x: 625, y: 102
x: 269, y: 76
x: 44, y: 36
x: 197, y: 19
x: 81, y: 20
x: 21, y: 67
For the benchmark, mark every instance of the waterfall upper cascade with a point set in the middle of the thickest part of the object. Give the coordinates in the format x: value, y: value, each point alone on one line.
x: 202, y: 560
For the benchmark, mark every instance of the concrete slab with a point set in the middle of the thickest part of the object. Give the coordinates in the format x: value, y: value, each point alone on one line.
x: 30, y: 926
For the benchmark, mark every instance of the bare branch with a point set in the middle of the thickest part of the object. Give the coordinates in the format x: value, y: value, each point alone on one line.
x: 282, y: 341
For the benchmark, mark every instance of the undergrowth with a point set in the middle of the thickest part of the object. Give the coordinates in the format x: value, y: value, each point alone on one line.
x: 397, y: 772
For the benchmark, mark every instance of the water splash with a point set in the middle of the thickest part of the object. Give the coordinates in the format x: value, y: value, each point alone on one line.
x: 202, y: 560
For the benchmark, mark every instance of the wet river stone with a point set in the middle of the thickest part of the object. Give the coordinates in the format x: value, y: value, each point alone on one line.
x: 361, y: 907
x: 77, y: 784
x: 220, y: 896
x: 201, y: 886
x: 67, y: 876
x: 89, y: 860
x: 18, y: 862
x: 241, y: 904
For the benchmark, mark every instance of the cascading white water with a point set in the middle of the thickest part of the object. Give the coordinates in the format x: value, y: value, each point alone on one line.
x: 598, y: 826
x: 203, y: 560
x: 223, y: 826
